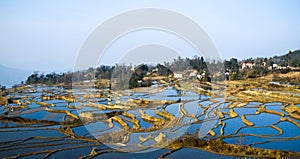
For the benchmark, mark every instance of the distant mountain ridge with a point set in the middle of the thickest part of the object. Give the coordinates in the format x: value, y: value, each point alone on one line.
x: 11, y: 76
x: 292, y: 58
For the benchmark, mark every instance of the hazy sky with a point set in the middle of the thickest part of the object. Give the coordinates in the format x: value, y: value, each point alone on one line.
x: 47, y: 35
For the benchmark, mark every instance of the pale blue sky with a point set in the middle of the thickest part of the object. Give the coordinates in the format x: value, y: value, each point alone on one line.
x: 47, y: 35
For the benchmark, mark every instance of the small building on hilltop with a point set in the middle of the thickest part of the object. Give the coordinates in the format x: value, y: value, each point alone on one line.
x: 247, y: 65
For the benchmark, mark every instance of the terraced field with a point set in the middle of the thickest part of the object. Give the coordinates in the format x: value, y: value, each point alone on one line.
x: 236, y: 119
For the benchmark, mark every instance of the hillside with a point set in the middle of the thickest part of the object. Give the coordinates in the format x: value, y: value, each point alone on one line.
x: 10, y: 76
x: 292, y: 58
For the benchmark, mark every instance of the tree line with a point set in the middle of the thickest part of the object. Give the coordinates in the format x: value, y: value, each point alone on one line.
x: 215, y: 70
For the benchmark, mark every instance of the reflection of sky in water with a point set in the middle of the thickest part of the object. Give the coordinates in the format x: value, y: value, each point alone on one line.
x: 288, y: 145
x: 195, y: 153
x: 174, y: 109
x: 193, y: 128
x: 100, y: 128
x: 189, y: 95
x: 258, y: 130
x: 7, y: 136
x: 8, y: 124
x: 134, y: 138
x: 276, y: 108
x: 289, y: 129
x: 33, y: 105
x: 44, y: 148
x: 44, y: 115
x: 242, y: 111
x: 205, y: 103
x: 232, y: 125
x: 75, y: 153
x: 263, y: 119
x: 144, y: 124
x: 206, y: 126
x: 217, y: 129
x: 145, y: 155
x: 80, y: 130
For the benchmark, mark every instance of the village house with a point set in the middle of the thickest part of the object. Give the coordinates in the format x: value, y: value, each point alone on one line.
x: 178, y: 75
x: 275, y: 66
x: 247, y: 65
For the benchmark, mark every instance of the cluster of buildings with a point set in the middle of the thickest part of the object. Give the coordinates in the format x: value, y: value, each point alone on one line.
x: 190, y: 73
x: 249, y: 65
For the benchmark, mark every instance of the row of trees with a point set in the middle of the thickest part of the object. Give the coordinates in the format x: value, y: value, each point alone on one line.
x: 121, y: 73
x: 50, y: 79
x: 292, y: 59
x: 128, y: 77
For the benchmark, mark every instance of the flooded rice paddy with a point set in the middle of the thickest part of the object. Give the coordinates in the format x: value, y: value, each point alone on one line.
x: 51, y: 122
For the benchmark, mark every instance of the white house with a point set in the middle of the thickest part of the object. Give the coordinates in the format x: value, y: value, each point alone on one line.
x: 275, y: 65
x: 178, y: 75
x: 247, y: 65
